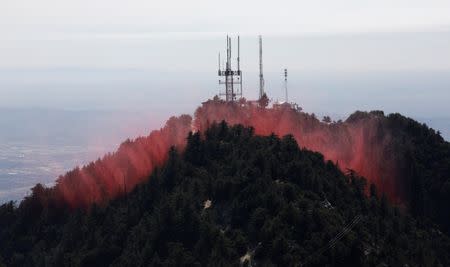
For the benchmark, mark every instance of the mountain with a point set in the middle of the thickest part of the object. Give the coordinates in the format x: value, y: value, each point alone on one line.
x: 406, y: 160
x: 232, y: 197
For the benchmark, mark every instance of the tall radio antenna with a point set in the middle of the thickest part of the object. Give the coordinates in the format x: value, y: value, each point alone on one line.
x: 286, y: 85
x: 231, y: 77
x: 261, y: 77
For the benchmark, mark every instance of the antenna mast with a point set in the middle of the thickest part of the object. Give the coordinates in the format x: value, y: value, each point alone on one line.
x: 286, y: 85
x: 231, y: 77
x: 239, y: 65
x: 261, y: 77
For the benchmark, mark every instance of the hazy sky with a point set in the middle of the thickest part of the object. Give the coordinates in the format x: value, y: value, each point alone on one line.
x: 341, y: 55
x: 108, y: 33
x: 251, y: 16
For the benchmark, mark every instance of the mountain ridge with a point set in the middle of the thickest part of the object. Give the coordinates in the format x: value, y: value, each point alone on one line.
x: 402, y: 157
x: 270, y: 203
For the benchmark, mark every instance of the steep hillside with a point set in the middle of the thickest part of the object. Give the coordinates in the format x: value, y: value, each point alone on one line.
x: 230, y: 197
x: 406, y: 160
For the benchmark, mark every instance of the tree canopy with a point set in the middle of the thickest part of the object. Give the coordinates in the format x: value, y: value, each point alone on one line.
x: 231, y: 198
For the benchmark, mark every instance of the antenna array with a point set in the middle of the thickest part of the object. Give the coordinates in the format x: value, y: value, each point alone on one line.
x: 232, y: 78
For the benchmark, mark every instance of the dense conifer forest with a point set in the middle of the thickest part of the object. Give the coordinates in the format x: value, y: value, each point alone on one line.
x: 233, y: 198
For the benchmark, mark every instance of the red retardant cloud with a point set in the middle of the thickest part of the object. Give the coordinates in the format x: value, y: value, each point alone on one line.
x: 360, y: 144
x: 115, y: 173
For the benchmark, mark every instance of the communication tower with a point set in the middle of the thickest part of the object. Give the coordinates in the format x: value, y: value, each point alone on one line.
x: 232, y: 78
x: 261, y: 77
x: 286, y: 86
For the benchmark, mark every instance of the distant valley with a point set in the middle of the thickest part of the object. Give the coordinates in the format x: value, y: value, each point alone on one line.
x: 38, y: 145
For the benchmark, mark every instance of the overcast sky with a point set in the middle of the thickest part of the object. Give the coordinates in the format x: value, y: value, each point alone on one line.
x: 87, y: 16
x: 341, y: 55
x: 68, y: 33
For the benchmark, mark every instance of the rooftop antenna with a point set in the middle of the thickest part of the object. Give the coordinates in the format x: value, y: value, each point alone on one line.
x: 286, y: 85
x: 231, y: 77
x: 261, y: 77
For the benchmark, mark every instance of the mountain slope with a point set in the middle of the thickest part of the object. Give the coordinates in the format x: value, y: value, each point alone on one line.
x: 230, y: 196
x: 406, y: 160
x: 425, y: 168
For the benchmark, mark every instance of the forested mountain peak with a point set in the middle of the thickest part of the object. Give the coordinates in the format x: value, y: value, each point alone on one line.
x: 269, y: 202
